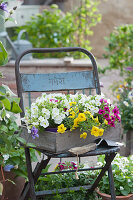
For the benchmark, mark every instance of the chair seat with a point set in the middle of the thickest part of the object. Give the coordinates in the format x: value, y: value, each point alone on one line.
x: 97, y: 151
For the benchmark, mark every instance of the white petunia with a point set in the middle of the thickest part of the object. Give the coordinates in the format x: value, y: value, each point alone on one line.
x: 98, y: 103
x: 44, y: 123
x: 46, y: 112
x: 55, y: 112
x: 58, y: 119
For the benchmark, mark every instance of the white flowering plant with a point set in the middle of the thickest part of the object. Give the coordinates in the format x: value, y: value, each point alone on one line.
x: 122, y: 168
x: 91, y: 114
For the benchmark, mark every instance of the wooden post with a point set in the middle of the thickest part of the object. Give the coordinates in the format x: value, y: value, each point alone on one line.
x: 129, y: 142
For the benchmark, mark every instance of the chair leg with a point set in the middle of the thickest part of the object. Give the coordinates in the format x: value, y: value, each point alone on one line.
x: 30, y: 174
x: 111, y: 183
x: 108, y: 159
x: 37, y: 171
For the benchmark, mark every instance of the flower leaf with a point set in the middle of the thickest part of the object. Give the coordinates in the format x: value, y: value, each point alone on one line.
x: 2, y: 90
x: 30, y: 145
x: 3, y: 55
x: 6, y: 102
x: 23, y: 141
x: 15, y: 107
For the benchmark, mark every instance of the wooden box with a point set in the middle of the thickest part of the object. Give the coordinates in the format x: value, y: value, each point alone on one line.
x: 56, y: 142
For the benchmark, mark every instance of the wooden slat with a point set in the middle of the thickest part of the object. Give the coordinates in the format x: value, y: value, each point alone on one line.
x: 57, y: 81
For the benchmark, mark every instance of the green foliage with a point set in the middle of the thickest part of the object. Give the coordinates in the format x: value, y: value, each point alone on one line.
x: 58, y: 181
x: 123, y: 177
x: 123, y: 91
x: 3, y: 55
x: 52, y: 28
x: 120, y: 47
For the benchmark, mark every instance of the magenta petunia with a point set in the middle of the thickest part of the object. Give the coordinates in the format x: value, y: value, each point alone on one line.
x: 101, y: 100
x: 111, y: 123
x: 61, y: 167
x: 105, y: 101
x: 106, y: 116
x: 101, y: 111
x: 109, y: 120
x: 112, y: 118
x: 106, y: 108
x: 117, y: 117
x: 115, y: 111
x: 65, y: 109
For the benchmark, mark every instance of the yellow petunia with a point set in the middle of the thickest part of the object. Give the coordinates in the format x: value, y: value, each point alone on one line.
x: 61, y: 128
x: 101, y: 130
x: 72, y: 103
x: 76, y: 122
x: 81, y: 117
x: 83, y: 135
x: 72, y: 114
x: 87, y: 112
x: 95, y: 131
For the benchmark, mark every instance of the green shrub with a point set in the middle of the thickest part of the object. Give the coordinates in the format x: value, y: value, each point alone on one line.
x: 52, y: 28
x: 120, y: 47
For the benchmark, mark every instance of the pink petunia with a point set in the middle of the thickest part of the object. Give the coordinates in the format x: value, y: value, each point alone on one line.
x: 101, y: 100
x: 106, y: 108
x: 112, y: 118
x: 115, y: 111
x: 101, y: 111
x: 117, y: 117
x: 65, y: 109
x: 106, y: 116
x: 111, y: 123
x: 105, y: 101
x: 61, y: 167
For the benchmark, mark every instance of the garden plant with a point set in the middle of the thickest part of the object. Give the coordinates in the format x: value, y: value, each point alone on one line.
x: 53, y: 28
x: 122, y: 168
x: 120, y: 55
x: 11, y: 153
x: 123, y: 179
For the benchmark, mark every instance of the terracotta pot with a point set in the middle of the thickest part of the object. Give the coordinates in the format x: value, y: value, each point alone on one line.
x: 12, y: 191
x: 108, y: 197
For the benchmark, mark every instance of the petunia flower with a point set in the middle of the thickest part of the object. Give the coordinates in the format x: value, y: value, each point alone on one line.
x: 3, y: 6
x: 106, y: 116
x: 106, y: 108
x: 112, y: 118
x: 34, y: 132
x: 101, y: 111
x: 117, y: 117
x: 115, y: 111
x: 111, y: 123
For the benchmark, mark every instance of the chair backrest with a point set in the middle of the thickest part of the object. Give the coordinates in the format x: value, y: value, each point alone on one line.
x: 56, y: 81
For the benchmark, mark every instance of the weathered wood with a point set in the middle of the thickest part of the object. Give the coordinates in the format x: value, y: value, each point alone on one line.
x: 129, y: 142
x: 56, y: 142
x: 57, y: 81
